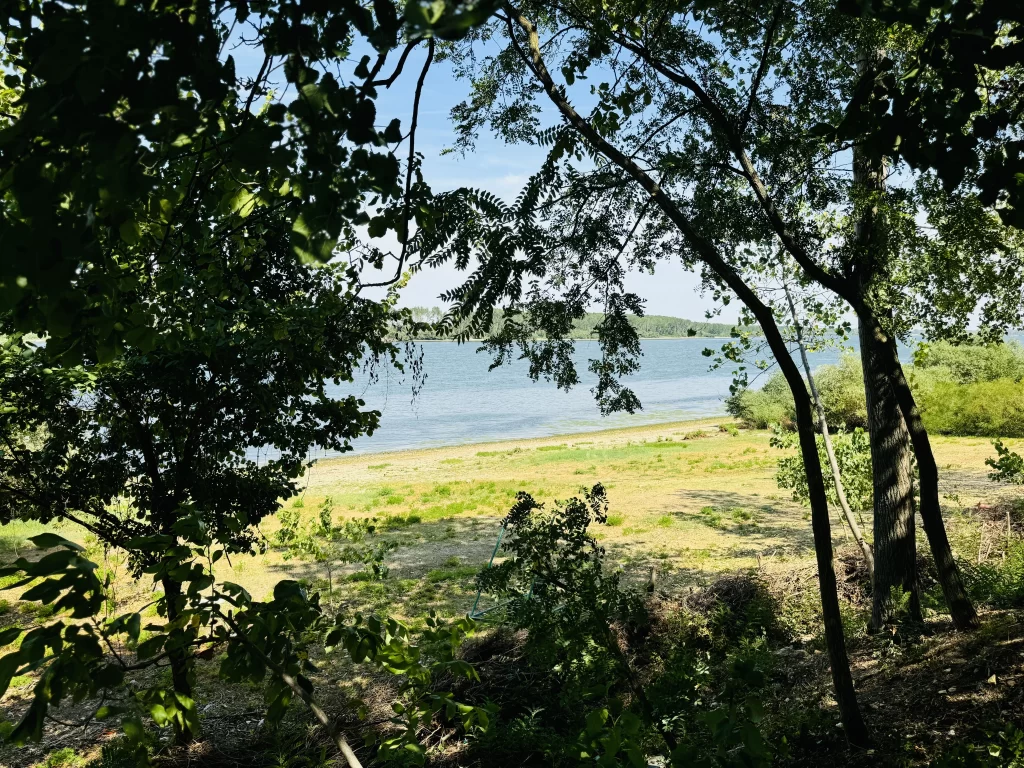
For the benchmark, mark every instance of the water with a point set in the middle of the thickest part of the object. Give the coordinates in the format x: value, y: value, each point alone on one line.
x: 463, y: 402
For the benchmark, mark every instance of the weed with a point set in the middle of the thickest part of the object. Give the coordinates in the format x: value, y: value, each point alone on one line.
x: 665, y: 521
x: 377, y: 466
x: 615, y: 520
x: 710, y: 517
x: 63, y: 758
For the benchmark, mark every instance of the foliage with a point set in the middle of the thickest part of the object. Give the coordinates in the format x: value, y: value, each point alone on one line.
x: 585, y: 633
x: 963, y: 390
x: 840, y: 386
x: 761, y: 408
x: 971, y: 363
x: 958, y: 108
x: 987, y: 409
x: 853, y: 455
x: 1009, y: 466
x: 266, y: 643
x: 421, y: 660
x: 998, y: 583
x: 1005, y: 749
x: 323, y: 542
x: 175, y: 453
x: 109, y: 96
x: 121, y: 752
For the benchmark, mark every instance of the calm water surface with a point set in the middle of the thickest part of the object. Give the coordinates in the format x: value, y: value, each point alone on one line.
x: 463, y: 402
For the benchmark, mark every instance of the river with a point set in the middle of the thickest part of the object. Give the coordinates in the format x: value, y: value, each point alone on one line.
x: 464, y: 402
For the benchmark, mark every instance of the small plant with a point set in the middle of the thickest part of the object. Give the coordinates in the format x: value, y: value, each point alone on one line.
x: 710, y: 517
x: 729, y: 429
x: 615, y: 520
x: 63, y: 758
x: 665, y: 521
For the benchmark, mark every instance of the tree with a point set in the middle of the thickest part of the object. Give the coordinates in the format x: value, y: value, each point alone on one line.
x: 178, y: 452
x: 958, y: 107
x: 514, y: 243
x: 108, y: 94
x: 723, y: 124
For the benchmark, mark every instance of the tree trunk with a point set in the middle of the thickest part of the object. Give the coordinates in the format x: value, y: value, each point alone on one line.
x: 837, y: 476
x: 895, y: 546
x: 181, y: 673
x: 960, y: 608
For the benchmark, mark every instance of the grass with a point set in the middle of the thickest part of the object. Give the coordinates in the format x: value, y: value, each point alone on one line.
x: 699, y: 498
x: 696, y: 498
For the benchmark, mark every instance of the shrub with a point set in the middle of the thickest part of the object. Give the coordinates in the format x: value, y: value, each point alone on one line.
x: 971, y: 363
x: 841, y: 387
x: 984, y: 408
x: 610, y: 678
x: 760, y: 408
x: 853, y: 455
x: 63, y: 758
x: 997, y: 583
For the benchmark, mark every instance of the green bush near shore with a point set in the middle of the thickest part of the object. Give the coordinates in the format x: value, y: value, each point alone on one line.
x: 967, y: 390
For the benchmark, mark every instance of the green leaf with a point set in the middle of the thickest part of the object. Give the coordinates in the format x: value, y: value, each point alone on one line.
x: 51, y: 540
x: 9, y: 635
x: 130, y: 232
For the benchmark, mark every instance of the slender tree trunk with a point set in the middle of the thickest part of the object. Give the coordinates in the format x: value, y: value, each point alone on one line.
x: 895, y: 546
x: 181, y: 674
x: 837, y: 478
x: 960, y: 608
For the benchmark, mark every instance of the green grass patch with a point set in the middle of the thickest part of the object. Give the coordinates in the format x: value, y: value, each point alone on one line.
x: 665, y: 521
x: 615, y: 519
x: 561, y: 447
x: 378, y: 466
x: 710, y: 517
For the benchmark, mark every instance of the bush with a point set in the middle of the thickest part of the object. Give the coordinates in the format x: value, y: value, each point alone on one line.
x: 984, y: 408
x: 997, y: 583
x: 972, y: 363
x: 842, y: 392
x: 841, y: 388
x: 760, y: 408
x: 969, y: 390
x: 853, y: 455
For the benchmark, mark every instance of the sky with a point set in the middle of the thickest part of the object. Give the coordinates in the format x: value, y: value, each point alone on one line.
x: 493, y: 166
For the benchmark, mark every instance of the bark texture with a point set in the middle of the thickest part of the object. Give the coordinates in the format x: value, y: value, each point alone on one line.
x: 181, y: 676
x: 961, y: 610
x: 895, y: 546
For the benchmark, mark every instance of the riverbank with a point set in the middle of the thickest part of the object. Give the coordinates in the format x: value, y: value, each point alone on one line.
x: 689, y: 499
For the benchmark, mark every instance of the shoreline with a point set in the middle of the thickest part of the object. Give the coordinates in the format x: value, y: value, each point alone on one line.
x: 532, y: 442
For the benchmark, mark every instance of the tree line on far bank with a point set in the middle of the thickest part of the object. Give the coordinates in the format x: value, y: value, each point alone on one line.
x: 585, y: 327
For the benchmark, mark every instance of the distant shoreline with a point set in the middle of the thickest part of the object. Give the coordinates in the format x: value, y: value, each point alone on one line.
x: 638, y: 430
x: 642, y: 338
